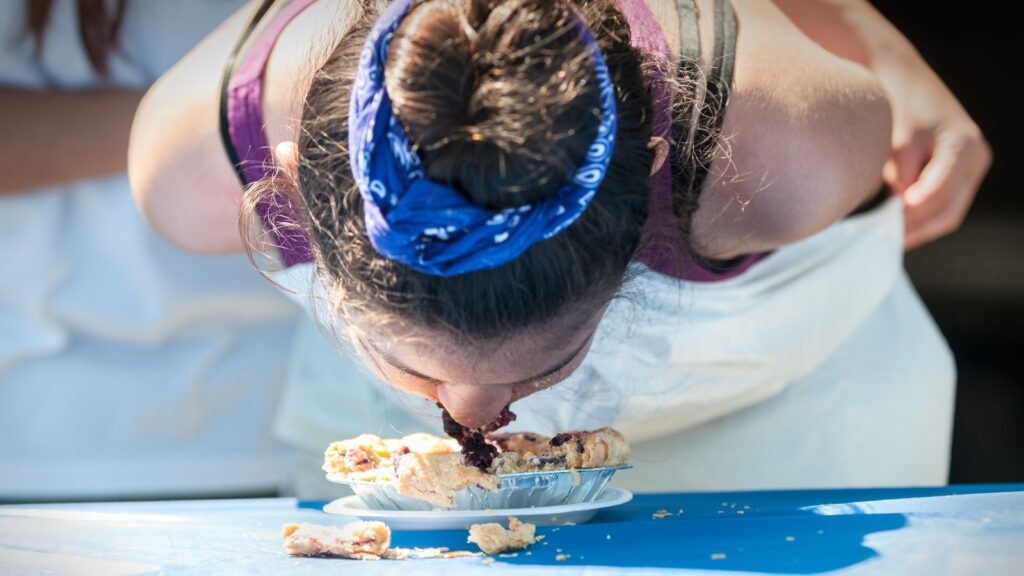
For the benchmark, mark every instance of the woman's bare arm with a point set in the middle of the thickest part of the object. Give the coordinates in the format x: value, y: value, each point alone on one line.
x: 54, y: 137
x: 180, y: 174
x: 806, y: 136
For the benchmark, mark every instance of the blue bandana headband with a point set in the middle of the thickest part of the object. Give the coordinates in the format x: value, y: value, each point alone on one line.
x: 430, y: 226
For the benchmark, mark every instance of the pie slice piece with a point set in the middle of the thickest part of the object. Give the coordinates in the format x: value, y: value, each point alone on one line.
x: 357, y: 540
x: 433, y: 469
x: 435, y: 478
x: 565, y: 451
x: 590, y: 449
x: 493, y: 538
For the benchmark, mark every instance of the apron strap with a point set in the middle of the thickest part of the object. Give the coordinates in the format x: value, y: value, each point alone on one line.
x: 703, y: 136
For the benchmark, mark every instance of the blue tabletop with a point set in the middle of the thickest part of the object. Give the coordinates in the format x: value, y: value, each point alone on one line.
x: 954, y: 530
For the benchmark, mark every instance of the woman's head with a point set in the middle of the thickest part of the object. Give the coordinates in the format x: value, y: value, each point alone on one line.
x: 499, y: 99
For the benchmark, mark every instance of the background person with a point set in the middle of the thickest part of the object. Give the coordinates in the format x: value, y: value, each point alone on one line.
x: 128, y: 368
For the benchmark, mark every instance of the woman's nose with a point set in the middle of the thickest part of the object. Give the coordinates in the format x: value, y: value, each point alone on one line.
x: 472, y: 405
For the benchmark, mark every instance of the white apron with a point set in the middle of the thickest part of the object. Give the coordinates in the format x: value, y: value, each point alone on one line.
x: 818, y: 366
x: 127, y: 367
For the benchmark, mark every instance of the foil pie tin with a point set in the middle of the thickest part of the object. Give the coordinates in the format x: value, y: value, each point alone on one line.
x: 520, y: 490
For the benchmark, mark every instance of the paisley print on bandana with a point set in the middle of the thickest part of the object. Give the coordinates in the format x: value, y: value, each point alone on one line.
x: 430, y: 226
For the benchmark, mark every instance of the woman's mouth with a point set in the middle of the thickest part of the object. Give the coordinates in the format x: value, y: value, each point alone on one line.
x: 475, y: 449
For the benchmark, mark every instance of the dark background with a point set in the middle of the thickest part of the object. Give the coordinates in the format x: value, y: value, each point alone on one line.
x: 973, y: 281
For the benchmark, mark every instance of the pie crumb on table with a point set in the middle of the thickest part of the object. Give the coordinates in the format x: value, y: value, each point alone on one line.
x: 371, y: 541
x: 357, y: 540
x: 493, y: 538
x: 424, y: 553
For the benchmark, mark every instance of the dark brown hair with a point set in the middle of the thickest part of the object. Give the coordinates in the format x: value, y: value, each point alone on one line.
x: 499, y: 98
x: 98, y: 28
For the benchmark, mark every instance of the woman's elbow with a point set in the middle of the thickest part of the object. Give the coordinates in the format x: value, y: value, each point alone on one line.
x: 170, y: 184
x: 143, y: 166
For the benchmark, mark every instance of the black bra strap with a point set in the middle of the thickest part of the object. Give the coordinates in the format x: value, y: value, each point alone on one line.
x: 718, y: 81
x: 689, y: 33
x: 720, y: 71
x: 225, y: 82
x: 699, y: 129
x: 722, y: 65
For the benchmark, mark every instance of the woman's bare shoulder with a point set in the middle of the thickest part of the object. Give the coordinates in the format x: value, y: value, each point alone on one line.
x: 181, y: 176
x: 303, y: 47
x: 803, y: 142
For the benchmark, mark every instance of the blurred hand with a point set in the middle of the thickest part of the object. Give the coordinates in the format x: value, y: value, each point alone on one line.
x: 939, y: 155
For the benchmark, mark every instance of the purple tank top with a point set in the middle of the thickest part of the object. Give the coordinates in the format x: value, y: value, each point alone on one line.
x: 245, y: 125
x: 666, y: 252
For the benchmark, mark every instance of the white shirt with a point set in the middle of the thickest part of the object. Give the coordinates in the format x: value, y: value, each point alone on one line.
x: 127, y: 367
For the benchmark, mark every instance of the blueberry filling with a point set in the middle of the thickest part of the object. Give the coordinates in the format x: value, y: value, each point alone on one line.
x: 477, y: 452
x: 560, y: 439
x: 555, y: 460
x: 475, y: 449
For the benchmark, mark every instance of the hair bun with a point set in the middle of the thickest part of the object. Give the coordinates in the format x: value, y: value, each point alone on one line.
x: 498, y: 97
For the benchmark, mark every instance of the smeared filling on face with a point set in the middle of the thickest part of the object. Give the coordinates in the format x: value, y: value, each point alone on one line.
x: 475, y: 449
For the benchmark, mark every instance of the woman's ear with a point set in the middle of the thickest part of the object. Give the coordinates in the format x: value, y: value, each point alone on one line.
x: 286, y: 162
x: 286, y: 156
x: 660, y: 147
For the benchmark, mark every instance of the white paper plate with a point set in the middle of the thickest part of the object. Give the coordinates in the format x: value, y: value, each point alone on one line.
x: 461, y: 519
